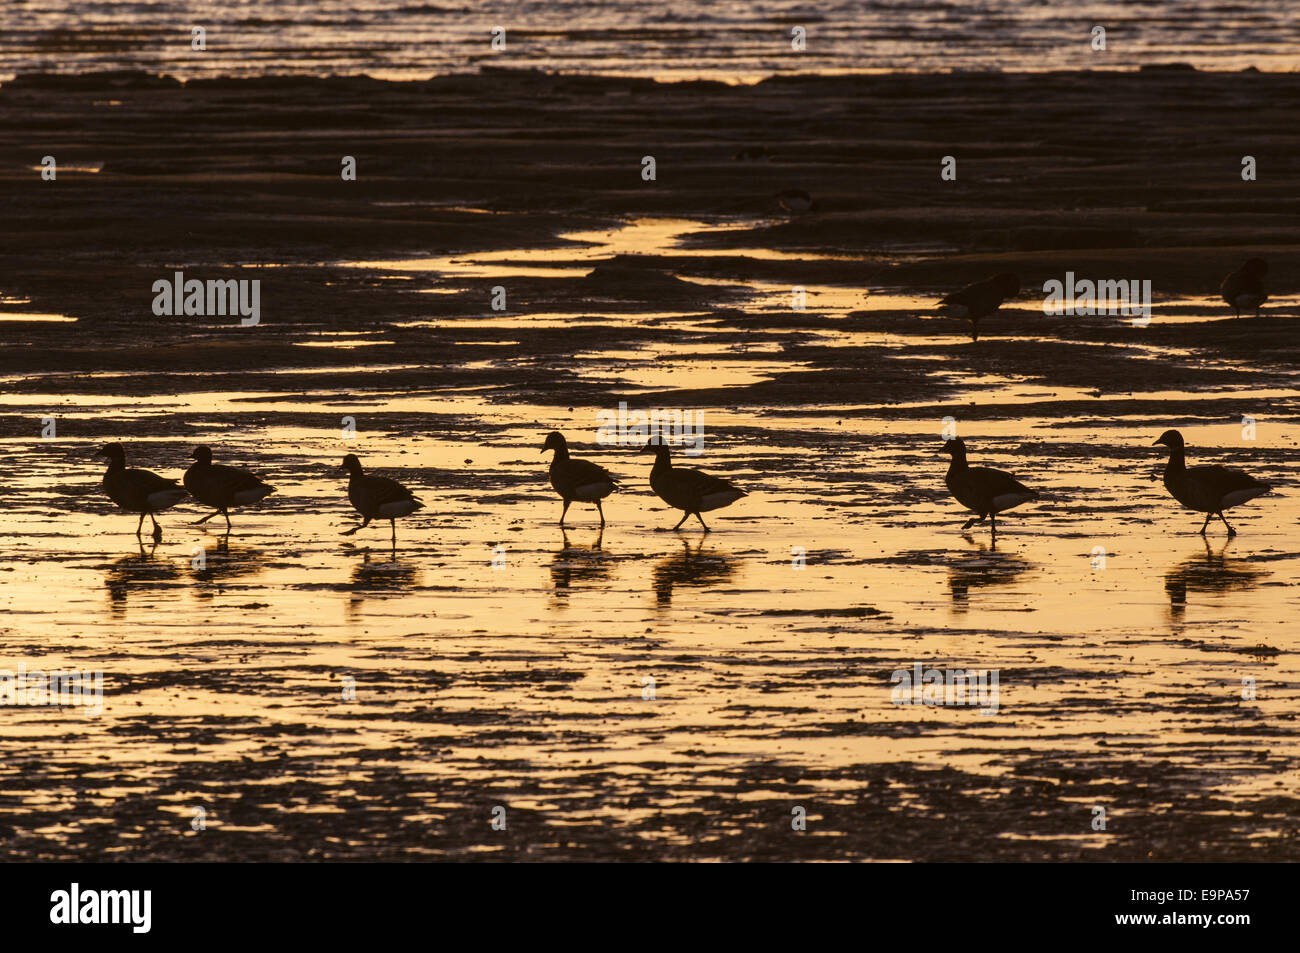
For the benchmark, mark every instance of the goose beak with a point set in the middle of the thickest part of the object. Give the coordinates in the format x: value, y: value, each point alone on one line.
x: 1158, y: 443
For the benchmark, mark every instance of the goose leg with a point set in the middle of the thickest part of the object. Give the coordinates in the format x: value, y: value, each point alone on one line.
x: 364, y: 523
x: 157, y: 530
x: 702, y: 523
x: 1231, y: 532
x: 972, y: 521
x: 206, y: 518
x: 685, y: 517
x: 564, y: 511
x: 139, y: 525
x: 602, y: 514
x: 1206, y: 523
x: 393, y: 524
x: 994, y: 524
x: 227, y: 516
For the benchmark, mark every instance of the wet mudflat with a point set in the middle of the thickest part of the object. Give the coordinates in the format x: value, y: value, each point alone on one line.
x: 329, y: 697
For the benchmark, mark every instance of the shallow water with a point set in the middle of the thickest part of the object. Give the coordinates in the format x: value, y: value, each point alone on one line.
x: 731, y: 41
x: 498, y: 660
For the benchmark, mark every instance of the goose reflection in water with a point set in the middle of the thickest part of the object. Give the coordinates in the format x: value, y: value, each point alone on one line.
x: 578, y: 564
x: 691, y: 567
x: 135, y: 574
x: 984, y: 566
x: 1208, y: 572
x: 221, y: 562
x: 382, y: 574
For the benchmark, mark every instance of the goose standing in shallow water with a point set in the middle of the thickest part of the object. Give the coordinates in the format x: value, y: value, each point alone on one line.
x: 376, y: 497
x: 982, y: 490
x: 221, y: 486
x: 688, y: 490
x: 980, y: 299
x: 1206, y: 489
x: 1244, y: 288
x: 138, y: 491
x: 577, y: 479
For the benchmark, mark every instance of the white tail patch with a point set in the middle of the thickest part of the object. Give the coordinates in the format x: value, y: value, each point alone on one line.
x: 1005, y: 501
x: 1237, y: 497
x: 587, y: 492
x: 244, y: 497
x: 164, y: 499
x: 713, y: 501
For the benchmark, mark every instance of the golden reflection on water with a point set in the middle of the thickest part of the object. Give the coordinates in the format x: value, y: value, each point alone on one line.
x: 845, y: 562
x: 580, y: 594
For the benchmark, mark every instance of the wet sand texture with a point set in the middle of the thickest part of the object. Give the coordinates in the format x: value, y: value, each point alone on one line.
x: 522, y: 687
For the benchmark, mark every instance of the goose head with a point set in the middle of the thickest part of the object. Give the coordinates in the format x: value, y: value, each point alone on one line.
x: 202, y: 454
x: 954, y: 446
x: 1171, y: 439
x: 656, y: 446
x: 114, y: 453
x: 555, y: 441
x: 351, y: 464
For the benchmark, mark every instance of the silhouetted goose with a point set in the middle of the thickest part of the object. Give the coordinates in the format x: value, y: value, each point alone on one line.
x: 1244, y: 288
x: 376, y: 497
x: 221, y: 486
x: 688, y: 490
x: 577, y: 479
x: 138, y: 491
x: 980, y: 299
x: 982, y: 490
x: 796, y: 200
x: 1206, y: 489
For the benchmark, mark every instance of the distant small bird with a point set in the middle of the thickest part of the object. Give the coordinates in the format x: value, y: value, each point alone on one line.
x: 577, y: 479
x: 982, y: 490
x: 796, y: 200
x: 1206, y: 489
x: 221, y: 486
x: 688, y: 490
x: 138, y: 491
x: 1244, y: 288
x: 980, y: 299
x: 376, y: 497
